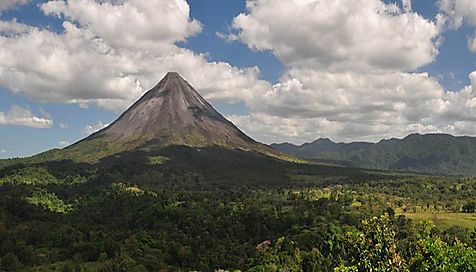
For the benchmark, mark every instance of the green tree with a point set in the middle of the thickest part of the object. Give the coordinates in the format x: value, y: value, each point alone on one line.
x: 10, y: 262
x: 469, y: 207
x: 374, y: 248
x: 433, y: 254
x: 282, y: 256
x: 312, y: 261
x: 123, y: 263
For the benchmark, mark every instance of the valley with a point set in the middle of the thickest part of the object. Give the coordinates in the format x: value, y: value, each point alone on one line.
x: 144, y: 217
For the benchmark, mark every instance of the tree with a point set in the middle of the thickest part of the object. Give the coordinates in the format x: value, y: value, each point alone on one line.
x: 123, y: 263
x: 282, y: 256
x: 374, y: 248
x: 433, y: 254
x: 469, y: 207
x: 10, y: 262
x: 391, y: 212
x: 311, y: 261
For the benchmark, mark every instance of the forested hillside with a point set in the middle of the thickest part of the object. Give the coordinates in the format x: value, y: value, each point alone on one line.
x: 185, y: 210
x: 432, y: 153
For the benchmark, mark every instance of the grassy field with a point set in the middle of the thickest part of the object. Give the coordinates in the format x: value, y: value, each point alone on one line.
x: 445, y: 219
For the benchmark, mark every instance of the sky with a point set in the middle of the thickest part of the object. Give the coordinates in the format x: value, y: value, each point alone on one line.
x: 282, y: 71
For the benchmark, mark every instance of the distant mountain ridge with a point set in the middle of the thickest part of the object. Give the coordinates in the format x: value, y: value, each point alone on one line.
x: 429, y: 153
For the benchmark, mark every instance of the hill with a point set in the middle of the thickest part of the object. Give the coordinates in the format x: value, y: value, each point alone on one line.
x: 431, y: 153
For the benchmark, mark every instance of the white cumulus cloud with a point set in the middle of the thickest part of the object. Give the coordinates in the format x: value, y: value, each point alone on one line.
x: 153, y: 24
x: 351, y: 72
x: 110, y: 53
x: 350, y: 106
x: 459, y: 11
x: 20, y: 116
x: 8, y: 4
x: 472, y: 88
x: 339, y: 35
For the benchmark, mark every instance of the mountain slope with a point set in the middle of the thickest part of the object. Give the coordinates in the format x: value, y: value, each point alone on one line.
x: 171, y: 113
x: 430, y: 153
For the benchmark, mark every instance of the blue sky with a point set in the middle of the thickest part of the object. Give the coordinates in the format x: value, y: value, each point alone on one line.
x: 267, y: 117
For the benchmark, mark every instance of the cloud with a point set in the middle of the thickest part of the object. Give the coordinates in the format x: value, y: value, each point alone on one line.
x: 350, y: 96
x: 227, y: 37
x: 63, y: 126
x: 3, y: 151
x: 407, y: 6
x: 90, y: 129
x: 350, y: 73
x: 310, y: 104
x: 459, y: 12
x: 63, y: 143
x: 472, y: 44
x: 271, y: 129
x: 331, y: 35
x: 109, y: 61
x: 472, y: 78
x: 20, y: 116
x: 154, y: 24
x: 9, y: 4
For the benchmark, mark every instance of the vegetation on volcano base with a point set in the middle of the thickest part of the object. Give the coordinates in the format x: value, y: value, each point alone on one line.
x: 183, y: 209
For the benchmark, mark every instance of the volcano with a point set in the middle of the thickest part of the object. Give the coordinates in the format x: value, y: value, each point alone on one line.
x: 171, y: 113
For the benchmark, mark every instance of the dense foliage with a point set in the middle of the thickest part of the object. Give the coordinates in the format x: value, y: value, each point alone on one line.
x: 158, y: 213
x: 432, y: 153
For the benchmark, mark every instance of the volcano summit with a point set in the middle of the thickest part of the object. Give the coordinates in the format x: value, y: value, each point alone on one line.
x: 171, y: 113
